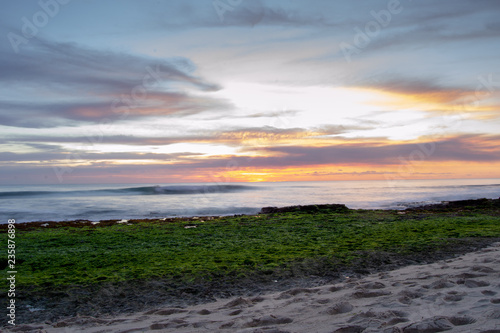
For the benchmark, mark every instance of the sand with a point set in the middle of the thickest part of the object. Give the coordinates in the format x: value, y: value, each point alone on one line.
x: 456, y: 295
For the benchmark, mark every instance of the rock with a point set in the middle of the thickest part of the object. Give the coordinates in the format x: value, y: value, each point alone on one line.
x: 307, y: 208
x: 460, y: 204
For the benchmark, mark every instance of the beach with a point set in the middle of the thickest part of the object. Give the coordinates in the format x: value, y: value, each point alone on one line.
x: 278, y: 166
x: 454, y: 295
x: 311, y: 268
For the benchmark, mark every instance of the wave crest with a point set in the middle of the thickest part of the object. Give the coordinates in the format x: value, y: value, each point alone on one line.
x: 145, y: 190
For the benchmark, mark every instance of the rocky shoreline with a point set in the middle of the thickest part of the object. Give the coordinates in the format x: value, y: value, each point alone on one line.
x: 336, y: 208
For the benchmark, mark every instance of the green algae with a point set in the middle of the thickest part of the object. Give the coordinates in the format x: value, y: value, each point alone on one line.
x: 233, y: 246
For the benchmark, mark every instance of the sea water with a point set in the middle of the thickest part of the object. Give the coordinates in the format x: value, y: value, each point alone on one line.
x: 27, y: 203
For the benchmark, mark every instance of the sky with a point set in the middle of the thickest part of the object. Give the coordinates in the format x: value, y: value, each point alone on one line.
x: 175, y: 91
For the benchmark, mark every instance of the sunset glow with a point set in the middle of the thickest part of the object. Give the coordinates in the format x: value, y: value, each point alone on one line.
x: 173, y: 93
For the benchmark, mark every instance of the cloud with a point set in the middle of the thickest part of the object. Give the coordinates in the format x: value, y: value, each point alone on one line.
x: 55, y: 114
x: 61, y: 63
x: 78, y: 156
x: 425, y: 88
x: 474, y: 148
x: 181, y: 14
x: 87, y: 85
x: 185, y: 166
x: 246, y: 137
x: 365, y: 173
x: 320, y: 13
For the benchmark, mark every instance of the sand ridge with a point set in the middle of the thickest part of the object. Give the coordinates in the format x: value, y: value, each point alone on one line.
x: 455, y: 295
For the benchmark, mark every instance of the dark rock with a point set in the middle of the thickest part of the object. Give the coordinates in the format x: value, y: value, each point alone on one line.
x: 340, y: 208
x: 460, y: 204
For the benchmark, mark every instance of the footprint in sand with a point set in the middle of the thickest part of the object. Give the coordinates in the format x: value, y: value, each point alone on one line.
x: 339, y: 308
x: 379, y: 319
x: 174, y: 323
x: 204, y: 312
x: 475, y: 283
x: 493, y: 314
x: 335, y: 288
x: 268, y: 320
x: 462, y: 321
x: 371, y: 285
x: 454, y: 296
x: 269, y: 330
x: 407, y: 296
x: 165, y: 312
x: 483, y: 269
x: 296, y: 291
x: 350, y: 329
x: 464, y: 276
x: 235, y: 313
x: 440, y: 284
x: 370, y: 294
x: 132, y: 330
x: 438, y: 324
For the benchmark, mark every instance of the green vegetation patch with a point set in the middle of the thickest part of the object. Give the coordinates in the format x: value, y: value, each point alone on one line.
x: 231, y: 246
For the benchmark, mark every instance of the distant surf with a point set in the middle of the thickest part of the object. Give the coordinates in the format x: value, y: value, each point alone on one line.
x: 27, y: 203
x: 143, y: 190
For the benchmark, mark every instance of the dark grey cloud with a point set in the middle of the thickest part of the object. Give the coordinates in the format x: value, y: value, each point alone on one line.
x: 72, y: 156
x: 88, y: 85
x: 98, y: 137
x: 54, y: 114
x: 54, y: 63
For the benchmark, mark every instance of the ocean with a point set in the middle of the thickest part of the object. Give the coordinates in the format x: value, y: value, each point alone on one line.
x: 28, y: 203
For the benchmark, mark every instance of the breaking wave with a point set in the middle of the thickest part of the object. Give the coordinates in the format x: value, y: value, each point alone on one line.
x: 144, y: 190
